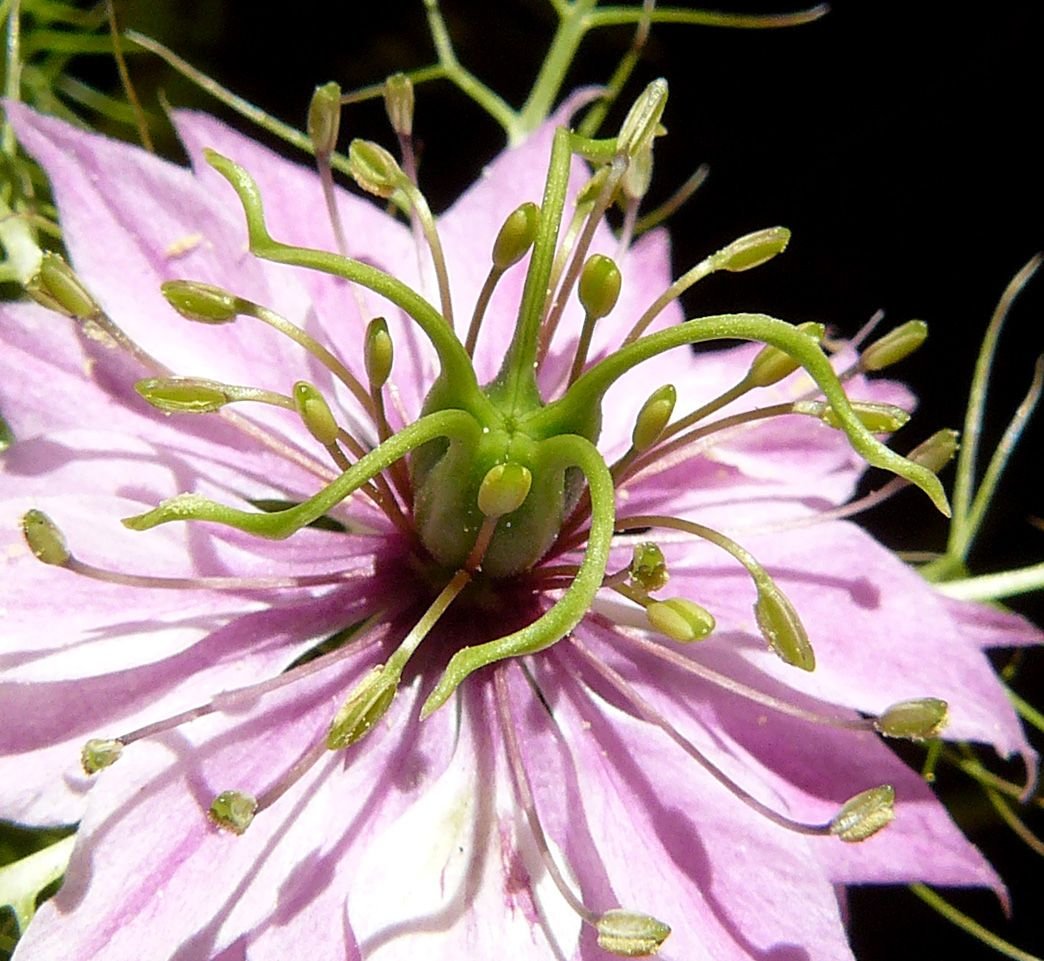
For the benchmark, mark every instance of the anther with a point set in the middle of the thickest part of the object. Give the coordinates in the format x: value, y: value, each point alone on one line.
x: 374, y: 169
x: 324, y: 119
x: 653, y: 418
x: 44, y: 538
x: 99, y: 753
x: 648, y: 568
x: 378, y: 353
x: 399, y: 104
x: 503, y: 490
x: 680, y: 619
x: 365, y: 706
x: 771, y: 365
x: 782, y: 628
x: 894, y: 346
x: 937, y: 451
x: 864, y: 815
x: 630, y: 934
x: 315, y: 413
x: 877, y: 418
x: 914, y: 720
x: 58, y: 288
x: 201, y: 302
x: 642, y: 122
x: 598, y: 290
x: 190, y: 395
x: 233, y: 811
x: 752, y: 250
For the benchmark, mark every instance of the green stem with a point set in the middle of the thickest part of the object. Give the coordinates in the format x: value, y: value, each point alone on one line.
x: 23, y: 880
x: 622, y: 16
x: 586, y: 394
x: 276, y: 525
x: 993, y: 587
x: 560, y: 452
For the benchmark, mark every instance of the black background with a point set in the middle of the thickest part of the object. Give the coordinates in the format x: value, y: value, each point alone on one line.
x: 896, y: 140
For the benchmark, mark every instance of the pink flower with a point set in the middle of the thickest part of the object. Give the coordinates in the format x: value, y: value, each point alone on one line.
x: 422, y: 839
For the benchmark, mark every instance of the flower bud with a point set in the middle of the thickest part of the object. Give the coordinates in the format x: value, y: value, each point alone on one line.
x: 648, y: 569
x: 324, y: 118
x: 58, y: 288
x: 99, y: 753
x: 233, y: 811
x: 183, y: 395
x: 782, y: 628
x: 937, y: 451
x: 599, y: 286
x: 503, y: 489
x: 378, y: 353
x: 201, y: 302
x: 752, y: 250
x: 865, y: 814
x: 315, y: 412
x: 398, y: 103
x: 516, y: 236
x: 643, y: 120
x: 771, y: 364
x: 373, y: 168
x: 653, y: 418
x: 366, y: 705
x: 44, y: 538
x: 915, y: 720
x: 894, y: 346
x: 680, y: 619
x: 630, y: 934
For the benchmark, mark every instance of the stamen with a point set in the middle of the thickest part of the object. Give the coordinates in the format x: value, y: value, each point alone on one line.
x: 379, y: 356
x: 599, y: 290
x: 777, y: 620
x: 179, y: 292
x: 503, y: 490
x: 853, y: 822
x: 324, y: 122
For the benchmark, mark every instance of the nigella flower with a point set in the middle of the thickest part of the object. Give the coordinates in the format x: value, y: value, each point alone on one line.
x: 392, y: 653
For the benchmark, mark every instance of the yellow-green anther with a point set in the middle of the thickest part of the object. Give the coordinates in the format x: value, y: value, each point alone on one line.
x: 648, y: 569
x: 365, y: 706
x: 201, y: 302
x: 324, y: 118
x: 99, y: 753
x: 516, y: 236
x: 865, y: 814
x: 44, y: 539
x: 654, y: 417
x: 637, y: 177
x: 680, y: 619
x: 57, y: 287
x: 183, y: 395
x: 782, y: 628
x: 315, y: 413
x: 915, y: 720
x: 752, y: 250
x: 504, y: 489
x: 233, y: 811
x: 630, y: 934
x: 373, y: 168
x: 894, y: 346
x: 937, y: 451
x: 599, y: 286
x: 642, y: 122
x: 771, y: 364
x: 877, y: 418
x: 378, y: 352
x: 398, y: 103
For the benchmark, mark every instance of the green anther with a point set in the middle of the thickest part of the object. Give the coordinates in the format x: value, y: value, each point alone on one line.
x: 642, y: 122
x: 373, y: 168
x: 782, y: 628
x: 398, y: 103
x: 183, y: 395
x: 876, y: 418
x: 771, y: 364
x: 752, y: 250
x: 516, y: 236
x: 915, y: 720
x: 937, y: 451
x: 680, y: 619
x: 99, y: 753
x: 894, y: 346
x: 315, y: 413
x: 365, y: 706
x: 44, y: 538
x: 648, y: 568
x: 654, y: 417
x: 630, y: 934
x: 378, y: 353
x: 599, y: 286
x: 58, y: 288
x: 324, y: 118
x: 864, y: 815
x: 504, y: 489
x: 201, y: 302
x: 233, y: 811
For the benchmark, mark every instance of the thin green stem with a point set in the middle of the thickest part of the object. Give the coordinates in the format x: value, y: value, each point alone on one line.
x: 622, y: 16
x: 1027, y: 711
x: 12, y: 73
x: 994, y: 587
